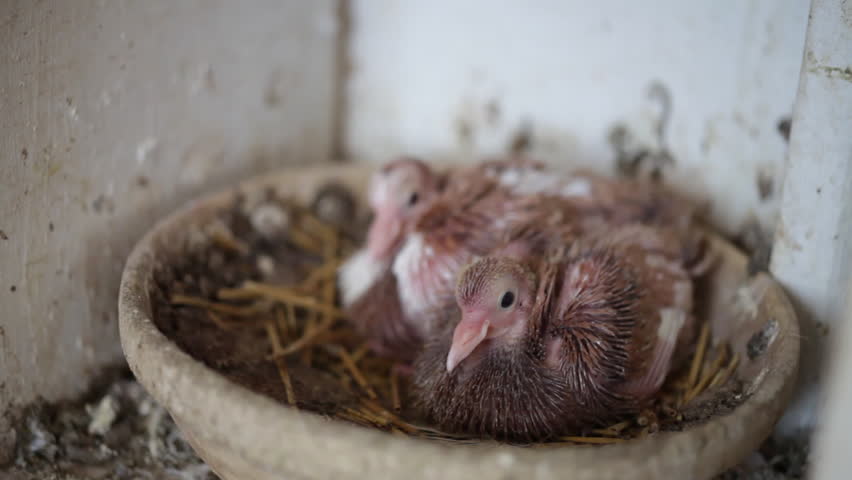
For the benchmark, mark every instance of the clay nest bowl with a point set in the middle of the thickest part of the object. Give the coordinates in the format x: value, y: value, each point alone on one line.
x: 230, y: 402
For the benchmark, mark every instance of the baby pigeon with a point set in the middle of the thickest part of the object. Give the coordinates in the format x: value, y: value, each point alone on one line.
x: 618, y: 200
x: 399, y: 195
x: 467, y: 223
x: 552, y: 343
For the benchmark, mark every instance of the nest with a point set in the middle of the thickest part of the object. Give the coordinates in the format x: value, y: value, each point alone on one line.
x: 253, y: 295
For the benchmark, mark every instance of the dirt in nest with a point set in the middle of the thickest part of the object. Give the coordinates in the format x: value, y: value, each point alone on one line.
x: 720, y: 401
x: 759, y: 342
x: 115, y: 432
x: 242, y: 354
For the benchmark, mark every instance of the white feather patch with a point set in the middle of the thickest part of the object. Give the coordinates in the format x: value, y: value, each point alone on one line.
x: 425, y: 279
x: 671, y: 321
x: 528, y: 181
x: 662, y: 263
x: 578, y: 187
x: 406, y: 269
x: 357, y: 275
x: 682, y: 294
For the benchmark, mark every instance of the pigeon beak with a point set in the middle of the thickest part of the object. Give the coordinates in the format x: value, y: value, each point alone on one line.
x: 384, y: 234
x: 469, y: 333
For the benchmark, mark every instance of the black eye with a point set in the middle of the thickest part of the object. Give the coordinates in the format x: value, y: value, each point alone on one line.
x: 507, y: 300
x: 413, y: 198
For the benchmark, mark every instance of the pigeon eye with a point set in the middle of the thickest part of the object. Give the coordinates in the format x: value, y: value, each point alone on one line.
x: 413, y: 199
x: 507, y: 300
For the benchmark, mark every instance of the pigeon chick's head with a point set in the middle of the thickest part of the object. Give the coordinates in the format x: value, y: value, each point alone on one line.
x: 495, y: 296
x: 399, y: 193
x: 482, y: 377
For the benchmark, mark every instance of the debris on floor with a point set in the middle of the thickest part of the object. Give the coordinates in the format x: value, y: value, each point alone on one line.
x: 142, y: 442
x: 776, y: 459
x: 119, y: 432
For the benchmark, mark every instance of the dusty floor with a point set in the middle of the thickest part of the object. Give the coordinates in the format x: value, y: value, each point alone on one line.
x: 776, y: 460
x: 118, y: 432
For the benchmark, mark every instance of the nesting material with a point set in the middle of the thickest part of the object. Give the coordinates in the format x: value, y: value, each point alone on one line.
x: 283, y: 334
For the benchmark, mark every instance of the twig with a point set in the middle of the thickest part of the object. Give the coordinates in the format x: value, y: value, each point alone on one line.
x: 237, y: 311
x: 308, y: 339
x: 237, y: 294
x: 310, y: 324
x: 272, y: 333
x: 726, y: 373
x: 305, y: 242
x: 285, y: 377
x: 225, y: 239
x: 281, y: 365
x: 699, y: 355
x: 613, y: 430
x: 592, y: 440
x: 219, y: 321
x: 403, y: 425
x: 283, y: 295
x: 328, y: 269
x: 705, y: 379
x: 668, y: 410
x: 346, y: 381
x: 307, y: 357
x: 374, y: 418
x: 394, y: 384
x: 312, y: 222
x: 282, y: 319
x: 328, y: 291
x: 356, y: 372
x: 361, y: 417
x: 360, y: 351
x: 292, y: 320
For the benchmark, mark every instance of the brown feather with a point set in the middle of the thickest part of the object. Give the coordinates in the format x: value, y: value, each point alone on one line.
x: 378, y: 316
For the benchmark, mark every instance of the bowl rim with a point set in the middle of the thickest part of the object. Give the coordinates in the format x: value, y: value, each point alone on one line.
x: 184, y: 386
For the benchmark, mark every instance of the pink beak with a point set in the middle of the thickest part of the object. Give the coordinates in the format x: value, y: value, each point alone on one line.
x: 469, y: 333
x: 384, y: 234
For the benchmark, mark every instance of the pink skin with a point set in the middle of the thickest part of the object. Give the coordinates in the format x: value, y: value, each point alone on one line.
x: 385, y: 233
x: 497, y: 315
x: 399, y: 193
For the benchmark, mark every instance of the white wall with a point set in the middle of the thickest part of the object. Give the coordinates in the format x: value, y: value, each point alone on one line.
x: 113, y: 112
x: 831, y: 459
x: 426, y: 72
x: 812, y: 256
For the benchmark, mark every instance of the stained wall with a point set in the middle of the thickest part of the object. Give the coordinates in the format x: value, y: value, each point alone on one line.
x: 111, y: 114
